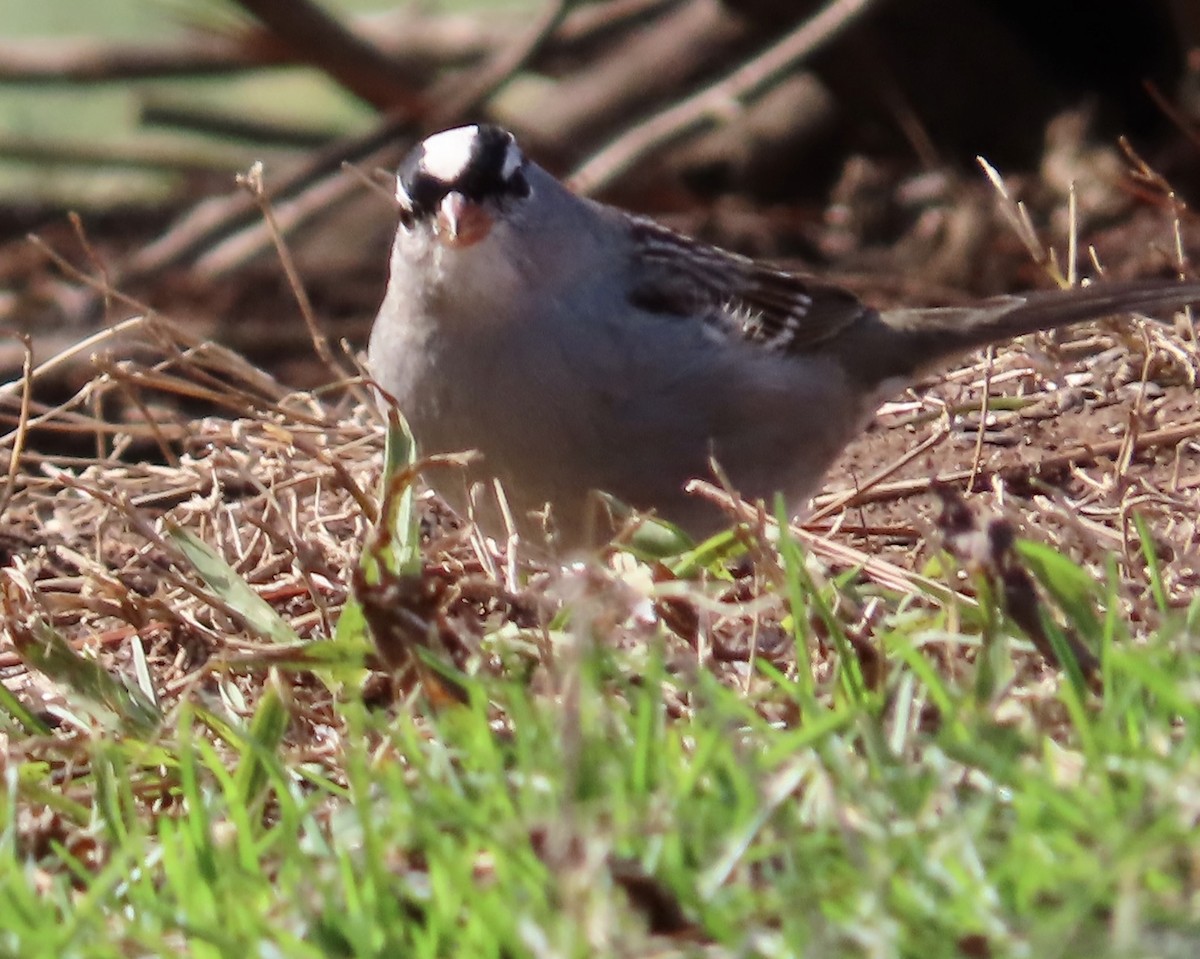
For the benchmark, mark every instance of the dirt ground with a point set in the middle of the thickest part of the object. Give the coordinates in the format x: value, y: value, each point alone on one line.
x: 1080, y: 433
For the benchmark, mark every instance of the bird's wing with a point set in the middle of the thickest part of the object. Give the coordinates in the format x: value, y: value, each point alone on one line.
x: 737, y: 297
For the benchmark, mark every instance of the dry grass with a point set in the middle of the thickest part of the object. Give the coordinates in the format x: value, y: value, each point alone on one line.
x: 283, y: 490
x: 1074, y: 442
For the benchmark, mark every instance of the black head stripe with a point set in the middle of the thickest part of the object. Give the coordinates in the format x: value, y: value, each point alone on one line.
x: 492, y: 171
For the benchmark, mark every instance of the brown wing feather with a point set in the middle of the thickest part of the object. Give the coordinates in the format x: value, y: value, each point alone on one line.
x: 679, y: 276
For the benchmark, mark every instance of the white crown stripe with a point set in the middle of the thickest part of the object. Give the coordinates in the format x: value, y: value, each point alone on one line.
x: 448, y: 153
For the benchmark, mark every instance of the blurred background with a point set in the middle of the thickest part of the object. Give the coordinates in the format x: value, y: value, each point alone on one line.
x: 838, y: 137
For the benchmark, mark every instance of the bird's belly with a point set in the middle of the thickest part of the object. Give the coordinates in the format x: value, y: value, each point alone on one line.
x: 553, y: 423
x: 552, y: 433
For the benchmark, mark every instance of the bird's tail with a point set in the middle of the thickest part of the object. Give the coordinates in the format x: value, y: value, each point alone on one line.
x: 927, y: 337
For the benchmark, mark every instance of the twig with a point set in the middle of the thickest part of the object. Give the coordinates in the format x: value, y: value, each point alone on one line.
x: 720, y: 99
x: 150, y: 319
x: 217, y: 221
x: 88, y: 643
x: 61, y: 359
x: 209, y: 223
x: 161, y: 112
x: 498, y: 70
x: 881, y: 571
x: 1135, y: 418
x: 140, y: 524
x: 112, y: 371
x: 594, y: 21
x: 634, y: 76
x: 1145, y: 175
x: 93, y: 257
x: 375, y: 184
x: 1166, y: 436
x: 855, y: 495
x: 1018, y: 218
x: 253, y: 182
x: 237, y: 249
x: 21, y: 432
x: 989, y: 362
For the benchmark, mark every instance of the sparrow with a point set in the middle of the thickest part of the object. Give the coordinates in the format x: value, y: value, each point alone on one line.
x: 580, y: 348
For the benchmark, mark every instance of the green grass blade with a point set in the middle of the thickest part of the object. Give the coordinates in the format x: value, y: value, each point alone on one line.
x: 1153, y: 566
x: 20, y: 715
x: 224, y: 580
x: 45, y: 649
x: 1074, y: 589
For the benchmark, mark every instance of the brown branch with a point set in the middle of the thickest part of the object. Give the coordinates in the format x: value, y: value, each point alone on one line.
x: 468, y: 96
x: 86, y: 60
x: 222, y: 231
x: 650, y: 65
x: 356, y: 64
x: 419, y: 42
x: 229, y: 124
x: 596, y: 21
x: 230, y: 252
x: 145, y: 154
x: 707, y: 106
x: 253, y: 182
x: 212, y: 223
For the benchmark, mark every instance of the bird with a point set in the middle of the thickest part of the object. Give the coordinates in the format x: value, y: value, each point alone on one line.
x: 578, y: 348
